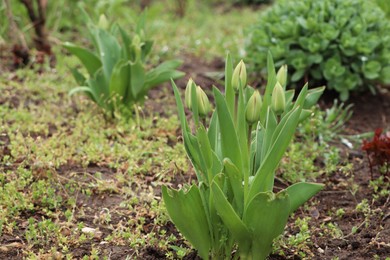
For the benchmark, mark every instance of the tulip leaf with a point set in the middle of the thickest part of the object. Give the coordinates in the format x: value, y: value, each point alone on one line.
x: 229, y: 142
x: 205, y: 150
x: 235, y: 180
x: 229, y: 91
x: 109, y: 51
x: 301, y: 192
x: 230, y: 217
x: 80, y: 79
x: 312, y: 97
x: 263, y: 180
x: 269, y: 88
x: 119, y: 80
x: 266, y: 216
x: 187, y: 212
x: 87, y: 90
x: 90, y: 61
x: 213, y: 131
x: 137, y: 78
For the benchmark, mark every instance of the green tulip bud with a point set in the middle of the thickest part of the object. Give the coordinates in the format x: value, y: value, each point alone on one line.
x: 278, y: 100
x: 187, y: 94
x: 281, y: 76
x: 252, y: 113
x: 239, y: 76
x: 136, y: 44
x: 103, y: 23
x: 204, y: 106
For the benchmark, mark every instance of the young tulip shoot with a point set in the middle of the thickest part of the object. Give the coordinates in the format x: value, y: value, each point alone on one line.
x: 278, y: 100
x: 253, y: 108
x: 239, y: 76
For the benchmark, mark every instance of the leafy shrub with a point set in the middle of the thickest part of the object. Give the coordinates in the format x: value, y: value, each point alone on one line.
x: 343, y: 43
x: 117, y: 74
x: 250, y: 2
x: 385, y: 6
x: 235, y: 154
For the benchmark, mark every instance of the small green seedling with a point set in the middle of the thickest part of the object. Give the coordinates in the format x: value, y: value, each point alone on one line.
x: 117, y: 76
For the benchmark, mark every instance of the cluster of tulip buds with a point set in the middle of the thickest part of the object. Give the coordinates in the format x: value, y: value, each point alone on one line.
x: 239, y: 80
x: 255, y: 102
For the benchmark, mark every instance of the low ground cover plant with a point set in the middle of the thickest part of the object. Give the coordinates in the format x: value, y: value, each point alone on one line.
x: 235, y: 154
x: 118, y: 77
x: 341, y: 43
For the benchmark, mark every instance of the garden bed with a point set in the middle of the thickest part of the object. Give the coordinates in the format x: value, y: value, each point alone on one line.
x: 123, y: 209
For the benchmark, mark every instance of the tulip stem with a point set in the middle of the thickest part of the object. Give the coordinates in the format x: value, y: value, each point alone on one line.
x: 249, y: 138
x: 235, y: 108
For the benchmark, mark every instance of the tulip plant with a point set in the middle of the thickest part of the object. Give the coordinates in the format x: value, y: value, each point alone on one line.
x: 233, y: 211
x: 117, y: 74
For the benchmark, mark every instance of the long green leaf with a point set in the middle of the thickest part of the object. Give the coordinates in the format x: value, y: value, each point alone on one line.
x: 265, y: 174
x: 229, y: 91
x: 87, y: 90
x: 137, y: 78
x: 301, y: 192
x: 127, y: 43
x: 213, y: 132
x: 109, y: 51
x: 271, y: 81
x: 80, y: 79
x: 229, y: 141
x: 266, y: 216
x: 242, y: 132
x: 312, y: 97
x: 161, y: 77
x: 99, y: 86
x: 187, y: 213
x: 205, y: 147
x: 270, y: 126
x: 119, y: 80
x: 230, y: 217
x: 90, y: 61
x: 235, y: 180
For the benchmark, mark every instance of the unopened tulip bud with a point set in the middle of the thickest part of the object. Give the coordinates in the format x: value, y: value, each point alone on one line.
x: 278, y: 100
x: 204, y: 106
x: 137, y: 46
x: 103, y: 23
x: 252, y: 113
x: 187, y: 93
x: 239, y: 76
x: 281, y: 76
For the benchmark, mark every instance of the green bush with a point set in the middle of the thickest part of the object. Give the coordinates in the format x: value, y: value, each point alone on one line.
x: 342, y: 43
x: 385, y: 6
x: 252, y: 2
x: 118, y: 76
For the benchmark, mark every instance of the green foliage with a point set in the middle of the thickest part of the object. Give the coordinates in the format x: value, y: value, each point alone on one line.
x: 343, y: 43
x: 235, y: 162
x: 117, y: 75
x: 251, y: 2
x: 385, y: 6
